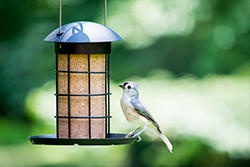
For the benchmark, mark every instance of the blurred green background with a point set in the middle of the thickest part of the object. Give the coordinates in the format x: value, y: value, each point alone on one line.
x: 190, y: 57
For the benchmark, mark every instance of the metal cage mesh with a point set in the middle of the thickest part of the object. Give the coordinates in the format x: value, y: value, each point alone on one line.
x: 89, y: 95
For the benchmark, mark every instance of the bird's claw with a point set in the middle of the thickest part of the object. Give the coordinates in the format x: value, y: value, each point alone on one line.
x: 132, y: 135
x: 129, y: 135
x: 138, y: 139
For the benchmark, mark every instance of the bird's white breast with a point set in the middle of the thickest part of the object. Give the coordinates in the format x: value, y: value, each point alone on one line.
x: 127, y: 109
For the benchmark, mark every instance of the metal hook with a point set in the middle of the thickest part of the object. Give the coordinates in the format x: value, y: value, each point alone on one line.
x: 105, y: 12
x: 60, y: 19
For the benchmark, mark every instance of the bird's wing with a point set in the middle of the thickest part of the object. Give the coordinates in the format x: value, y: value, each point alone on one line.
x: 141, y: 110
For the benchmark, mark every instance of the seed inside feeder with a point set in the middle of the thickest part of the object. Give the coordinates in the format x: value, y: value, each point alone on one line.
x: 79, y: 105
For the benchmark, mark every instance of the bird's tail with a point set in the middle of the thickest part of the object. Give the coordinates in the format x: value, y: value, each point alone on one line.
x: 163, y: 137
x: 167, y: 142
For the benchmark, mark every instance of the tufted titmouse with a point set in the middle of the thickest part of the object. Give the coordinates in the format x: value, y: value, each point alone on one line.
x: 135, y: 112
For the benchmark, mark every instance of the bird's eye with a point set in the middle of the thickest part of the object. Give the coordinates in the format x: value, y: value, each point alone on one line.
x: 129, y: 87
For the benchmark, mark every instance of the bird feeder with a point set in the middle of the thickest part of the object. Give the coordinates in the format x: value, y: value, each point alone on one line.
x: 82, y: 86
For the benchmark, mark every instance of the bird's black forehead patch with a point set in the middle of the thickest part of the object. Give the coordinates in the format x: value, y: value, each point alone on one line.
x: 125, y: 83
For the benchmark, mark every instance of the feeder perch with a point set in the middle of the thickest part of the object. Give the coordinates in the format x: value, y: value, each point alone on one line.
x: 82, y: 86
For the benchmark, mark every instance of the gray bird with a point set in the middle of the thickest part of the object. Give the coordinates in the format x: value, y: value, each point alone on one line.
x: 135, y: 112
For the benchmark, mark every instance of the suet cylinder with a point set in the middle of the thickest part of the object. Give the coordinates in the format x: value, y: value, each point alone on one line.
x: 82, y: 79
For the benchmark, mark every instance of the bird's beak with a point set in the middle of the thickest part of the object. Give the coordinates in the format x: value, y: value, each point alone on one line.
x: 121, y: 86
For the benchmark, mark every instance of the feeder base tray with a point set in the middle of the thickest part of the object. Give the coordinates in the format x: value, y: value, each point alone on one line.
x: 114, y: 139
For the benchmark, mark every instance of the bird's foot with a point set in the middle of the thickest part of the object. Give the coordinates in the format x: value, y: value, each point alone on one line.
x: 138, y: 139
x: 129, y: 135
x: 132, y: 134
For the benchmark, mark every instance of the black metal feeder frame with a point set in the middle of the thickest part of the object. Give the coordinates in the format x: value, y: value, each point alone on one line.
x: 85, y: 39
